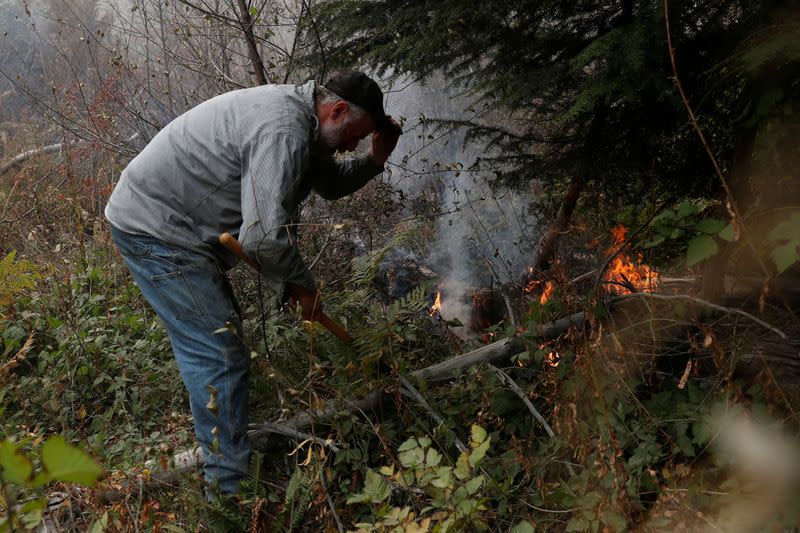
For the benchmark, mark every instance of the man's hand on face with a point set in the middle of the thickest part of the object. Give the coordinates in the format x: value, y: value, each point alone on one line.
x: 309, y: 301
x: 383, y: 142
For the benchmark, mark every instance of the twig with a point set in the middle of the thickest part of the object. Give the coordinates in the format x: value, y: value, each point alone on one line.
x: 585, y: 275
x: 319, y: 40
x: 702, y: 302
x: 693, y: 118
x: 259, y: 430
x: 505, y: 378
x: 410, y: 391
x: 733, y: 207
x: 511, y: 314
x: 319, y: 254
x: 338, y: 520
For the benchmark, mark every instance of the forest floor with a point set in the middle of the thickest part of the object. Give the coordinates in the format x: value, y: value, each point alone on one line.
x: 651, y: 411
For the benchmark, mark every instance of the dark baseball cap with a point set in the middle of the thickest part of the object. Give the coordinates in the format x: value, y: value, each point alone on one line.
x: 361, y: 90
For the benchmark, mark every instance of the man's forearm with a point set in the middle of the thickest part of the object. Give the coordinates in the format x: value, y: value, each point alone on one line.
x: 334, y: 179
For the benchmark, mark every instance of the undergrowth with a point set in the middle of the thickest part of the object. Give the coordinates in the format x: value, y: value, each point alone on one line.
x: 629, y: 449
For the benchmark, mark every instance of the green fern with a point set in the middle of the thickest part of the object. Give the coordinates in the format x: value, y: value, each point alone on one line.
x: 15, y: 277
x: 298, y: 497
x: 252, y: 482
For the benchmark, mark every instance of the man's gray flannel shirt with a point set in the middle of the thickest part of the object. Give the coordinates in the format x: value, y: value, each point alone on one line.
x: 241, y: 162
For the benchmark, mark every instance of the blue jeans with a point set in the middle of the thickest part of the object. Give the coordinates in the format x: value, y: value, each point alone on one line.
x: 193, y: 298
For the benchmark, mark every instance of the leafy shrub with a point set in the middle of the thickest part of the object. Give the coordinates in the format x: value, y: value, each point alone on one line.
x: 59, y: 461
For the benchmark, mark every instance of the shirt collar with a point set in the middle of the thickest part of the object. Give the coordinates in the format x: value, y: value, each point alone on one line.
x: 307, y: 90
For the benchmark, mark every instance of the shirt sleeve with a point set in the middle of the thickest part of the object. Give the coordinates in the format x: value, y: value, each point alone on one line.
x: 334, y: 179
x: 272, y: 167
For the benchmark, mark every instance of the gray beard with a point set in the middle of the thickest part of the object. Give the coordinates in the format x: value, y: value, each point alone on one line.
x: 331, y: 136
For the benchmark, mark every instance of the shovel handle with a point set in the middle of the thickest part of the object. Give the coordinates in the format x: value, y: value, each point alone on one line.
x: 230, y: 243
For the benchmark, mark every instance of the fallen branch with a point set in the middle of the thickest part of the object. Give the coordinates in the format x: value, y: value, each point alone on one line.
x: 29, y: 154
x: 45, y: 150
x: 332, y: 507
x: 453, y: 367
x: 281, y: 429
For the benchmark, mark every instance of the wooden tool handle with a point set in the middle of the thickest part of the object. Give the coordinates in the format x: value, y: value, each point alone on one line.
x: 335, y: 328
x: 230, y: 243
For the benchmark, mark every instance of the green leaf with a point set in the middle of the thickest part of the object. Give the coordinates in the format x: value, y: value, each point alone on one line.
x: 462, y: 466
x: 522, y: 527
x: 408, y: 444
x: 478, y: 453
x: 100, y: 525
x: 444, y: 476
x: 412, y: 458
x: 474, y: 484
x: 685, y: 445
x: 655, y: 241
x: 615, y: 520
x: 785, y: 256
x: 15, y: 467
x: 727, y: 233
x: 32, y: 512
x: 477, y: 435
x: 459, y: 495
x: 710, y: 226
x: 359, y: 498
x: 686, y: 208
x: 433, y: 458
x: 701, y: 431
x: 65, y: 462
x: 700, y: 248
x: 376, y: 487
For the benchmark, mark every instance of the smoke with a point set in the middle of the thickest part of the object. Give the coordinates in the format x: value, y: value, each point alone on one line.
x: 484, y: 236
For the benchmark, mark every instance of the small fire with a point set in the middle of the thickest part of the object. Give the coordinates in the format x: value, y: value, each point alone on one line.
x: 623, y: 273
x: 547, y: 290
x: 436, y: 308
x: 552, y: 358
x: 547, y: 293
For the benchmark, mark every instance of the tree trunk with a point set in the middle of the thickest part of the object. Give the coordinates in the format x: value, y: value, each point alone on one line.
x: 252, y: 49
x: 549, y: 242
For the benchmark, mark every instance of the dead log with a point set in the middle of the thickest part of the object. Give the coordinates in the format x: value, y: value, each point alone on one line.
x: 453, y: 367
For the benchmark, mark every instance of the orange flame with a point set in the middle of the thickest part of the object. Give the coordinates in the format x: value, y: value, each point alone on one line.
x: 547, y: 290
x: 436, y: 308
x: 547, y: 293
x: 623, y: 273
x: 552, y: 358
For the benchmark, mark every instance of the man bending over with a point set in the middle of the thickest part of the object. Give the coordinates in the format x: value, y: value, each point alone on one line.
x: 242, y: 163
